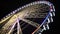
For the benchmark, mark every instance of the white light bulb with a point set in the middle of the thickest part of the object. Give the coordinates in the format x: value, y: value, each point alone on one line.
x: 44, y: 27
x: 50, y: 14
x: 51, y: 19
x: 48, y: 20
x: 47, y: 26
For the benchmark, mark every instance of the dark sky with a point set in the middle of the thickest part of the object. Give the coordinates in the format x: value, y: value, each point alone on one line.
x: 7, y: 6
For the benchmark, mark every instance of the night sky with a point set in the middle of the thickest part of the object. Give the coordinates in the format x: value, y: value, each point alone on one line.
x: 7, y: 6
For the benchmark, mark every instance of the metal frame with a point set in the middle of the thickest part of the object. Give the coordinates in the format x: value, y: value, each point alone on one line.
x: 51, y: 12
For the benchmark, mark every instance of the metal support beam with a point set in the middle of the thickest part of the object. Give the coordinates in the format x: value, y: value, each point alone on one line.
x: 30, y: 22
x: 19, y: 31
x: 12, y: 28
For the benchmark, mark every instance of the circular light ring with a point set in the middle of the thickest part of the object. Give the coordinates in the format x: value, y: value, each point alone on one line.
x: 33, y: 3
x: 52, y: 9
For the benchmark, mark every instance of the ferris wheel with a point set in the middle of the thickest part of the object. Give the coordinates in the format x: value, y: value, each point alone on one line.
x: 32, y: 18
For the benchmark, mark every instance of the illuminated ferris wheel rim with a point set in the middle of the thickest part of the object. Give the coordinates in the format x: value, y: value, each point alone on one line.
x: 52, y: 9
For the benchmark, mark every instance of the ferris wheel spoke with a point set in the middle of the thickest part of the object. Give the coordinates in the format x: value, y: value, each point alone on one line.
x: 30, y: 22
x: 19, y: 31
x: 12, y: 28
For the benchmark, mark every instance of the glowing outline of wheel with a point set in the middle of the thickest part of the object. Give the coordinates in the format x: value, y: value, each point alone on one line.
x: 38, y: 2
